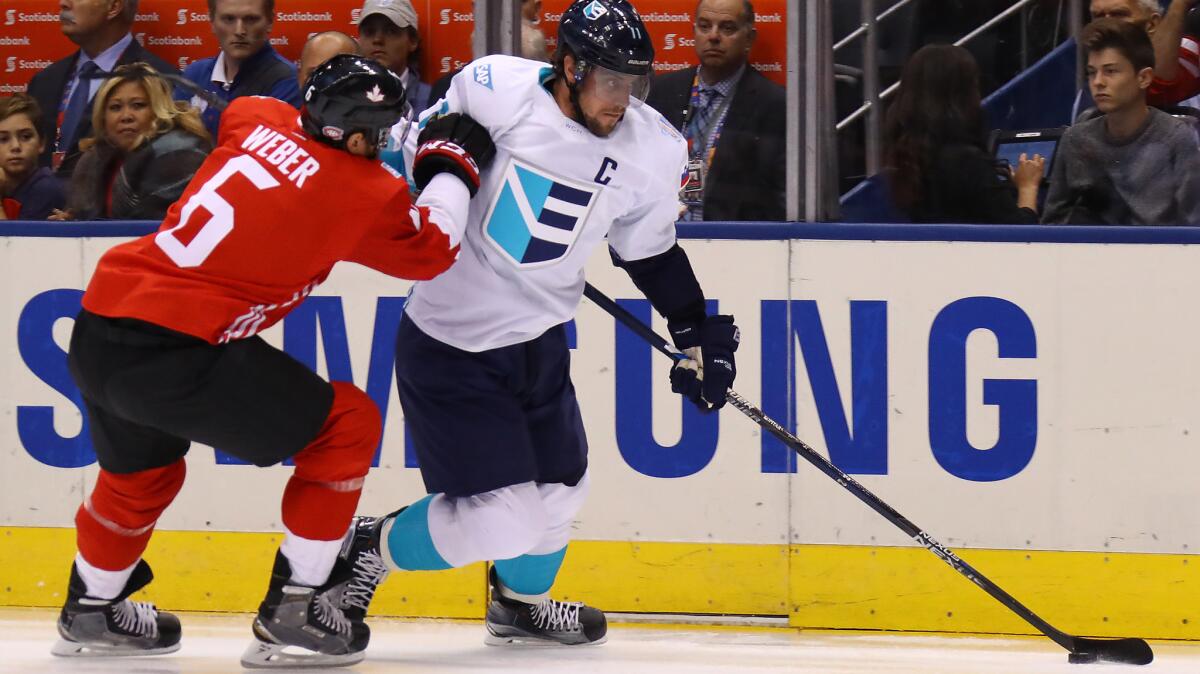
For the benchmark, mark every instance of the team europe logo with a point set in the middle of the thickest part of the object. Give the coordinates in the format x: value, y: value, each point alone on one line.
x: 595, y: 10
x: 537, y: 217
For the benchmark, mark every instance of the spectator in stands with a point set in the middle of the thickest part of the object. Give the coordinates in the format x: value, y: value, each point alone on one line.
x: 1135, y: 165
x: 938, y: 165
x: 145, y: 150
x: 31, y: 192
x: 531, y: 11
x: 1176, y: 55
x: 533, y: 47
x: 247, y: 65
x: 733, y: 119
x: 533, y: 40
x: 321, y: 47
x: 387, y: 33
x: 101, y: 28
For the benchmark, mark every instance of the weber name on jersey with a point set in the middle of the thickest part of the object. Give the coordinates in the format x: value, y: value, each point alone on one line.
x: 553, y: 194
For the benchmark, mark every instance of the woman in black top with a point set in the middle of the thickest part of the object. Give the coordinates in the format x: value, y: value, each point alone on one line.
x: 145, y: 149
x: 938, y: 164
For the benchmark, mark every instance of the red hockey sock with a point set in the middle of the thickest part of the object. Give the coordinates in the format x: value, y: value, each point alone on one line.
x: 322, y: 494
x: 115, y: 521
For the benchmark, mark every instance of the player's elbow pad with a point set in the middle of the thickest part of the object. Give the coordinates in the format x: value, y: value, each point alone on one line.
x: 667, y: 280
x: 454, y: 144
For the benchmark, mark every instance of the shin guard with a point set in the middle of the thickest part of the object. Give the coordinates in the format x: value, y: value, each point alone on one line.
x: 322, y: 494
x: 115, y: 521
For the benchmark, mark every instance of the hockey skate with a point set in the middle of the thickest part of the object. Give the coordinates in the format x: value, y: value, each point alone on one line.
x: 361, y: 551
x: 93, y: 627
x: 301, y: 626
x: 548, y: 622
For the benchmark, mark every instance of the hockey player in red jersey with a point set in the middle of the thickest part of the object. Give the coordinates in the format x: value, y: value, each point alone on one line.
x: 165, y: 352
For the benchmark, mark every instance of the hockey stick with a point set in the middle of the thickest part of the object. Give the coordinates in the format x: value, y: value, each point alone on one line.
x: 1081, y: 649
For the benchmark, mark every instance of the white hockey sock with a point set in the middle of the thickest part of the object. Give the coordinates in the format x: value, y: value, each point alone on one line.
x: 311, y: 561
x: 100, y: 583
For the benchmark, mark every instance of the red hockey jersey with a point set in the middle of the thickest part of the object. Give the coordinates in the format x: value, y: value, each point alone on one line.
x: 260, y: 225
x: 1187, y: 79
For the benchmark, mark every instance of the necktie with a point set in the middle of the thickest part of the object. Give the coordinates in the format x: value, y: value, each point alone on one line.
x: 704, y: 110
x: 77, y: 106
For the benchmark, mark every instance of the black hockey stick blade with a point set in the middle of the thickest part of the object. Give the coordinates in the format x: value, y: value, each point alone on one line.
x: 1124, y: 651
x: 1082, y: 650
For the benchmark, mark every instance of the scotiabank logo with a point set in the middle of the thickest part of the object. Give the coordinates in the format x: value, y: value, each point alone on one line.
x: 449, y: 64
x: 446, y: 16
x: 10, y: 64
x: 10, y: 17
x: 183, y: 62
x: 674, y: 39
x: 183, y: 17
x: 356, y: 15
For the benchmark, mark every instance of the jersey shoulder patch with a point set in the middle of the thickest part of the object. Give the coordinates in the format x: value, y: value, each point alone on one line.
x: 482, y: 74
x: 665, y: 128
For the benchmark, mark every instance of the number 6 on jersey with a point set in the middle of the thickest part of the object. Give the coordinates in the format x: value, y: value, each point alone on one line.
x: 220, y: 224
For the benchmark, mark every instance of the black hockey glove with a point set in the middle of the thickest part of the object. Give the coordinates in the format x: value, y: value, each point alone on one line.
x: 708, y: 372
x: 456, y: 144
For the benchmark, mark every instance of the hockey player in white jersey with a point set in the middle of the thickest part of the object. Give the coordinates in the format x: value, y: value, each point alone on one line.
x: 481, y: 359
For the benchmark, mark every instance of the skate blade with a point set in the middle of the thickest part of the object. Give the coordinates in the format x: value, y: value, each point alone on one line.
x: 75, y: 649
x: 520, y: 641
x: 263, y: 655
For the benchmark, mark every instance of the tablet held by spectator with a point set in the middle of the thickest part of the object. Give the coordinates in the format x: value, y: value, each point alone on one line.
x: 29, y: 191
x: 145, y: 150
x: 937, y: 161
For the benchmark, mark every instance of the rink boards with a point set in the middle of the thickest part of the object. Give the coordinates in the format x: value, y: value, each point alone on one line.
x: 1027, y: 395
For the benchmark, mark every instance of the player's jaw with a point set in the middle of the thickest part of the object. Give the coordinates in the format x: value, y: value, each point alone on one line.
x: 605, y: 121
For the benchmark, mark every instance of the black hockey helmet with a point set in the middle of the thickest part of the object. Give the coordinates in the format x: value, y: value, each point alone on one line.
x: 350, y: 94
x: 607, y: 33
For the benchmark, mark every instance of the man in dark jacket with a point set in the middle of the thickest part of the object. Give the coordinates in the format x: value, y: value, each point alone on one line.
x: 247, y: 65
x: 733, y: 118
x: 64, y: 91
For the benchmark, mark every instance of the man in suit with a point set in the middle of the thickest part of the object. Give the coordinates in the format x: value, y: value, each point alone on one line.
x: 64, y: 91
x: 734, y: 120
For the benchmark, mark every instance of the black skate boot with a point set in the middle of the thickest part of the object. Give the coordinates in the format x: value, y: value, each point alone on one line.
x: 306, y: 619
x: 548, y: 622
x: 114, y: 627
x: 361, y: 551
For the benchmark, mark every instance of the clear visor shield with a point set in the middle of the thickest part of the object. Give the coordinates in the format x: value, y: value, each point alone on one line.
x: 616, y: 88
x: 393, y: 137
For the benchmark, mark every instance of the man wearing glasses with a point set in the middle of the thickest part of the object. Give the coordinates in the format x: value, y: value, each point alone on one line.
x: 732, y: 117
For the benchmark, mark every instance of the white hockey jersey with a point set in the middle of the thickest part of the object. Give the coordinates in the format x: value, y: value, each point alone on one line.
x: 550, y: 197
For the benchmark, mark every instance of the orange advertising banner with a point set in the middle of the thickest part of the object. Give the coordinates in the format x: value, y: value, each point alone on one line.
x: 179, y: 32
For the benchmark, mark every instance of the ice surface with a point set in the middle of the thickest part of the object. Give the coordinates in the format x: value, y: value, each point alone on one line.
x: 213, y: 643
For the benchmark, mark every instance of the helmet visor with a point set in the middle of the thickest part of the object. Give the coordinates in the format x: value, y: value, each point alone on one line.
x: 617, y: 88
x: 399, y: 130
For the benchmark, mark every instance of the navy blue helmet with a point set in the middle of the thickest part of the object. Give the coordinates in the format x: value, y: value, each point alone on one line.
x: 607, y: 33
x: 349, y: 94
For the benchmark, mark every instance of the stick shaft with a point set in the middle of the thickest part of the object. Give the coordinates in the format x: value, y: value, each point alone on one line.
x: 837, y: 475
